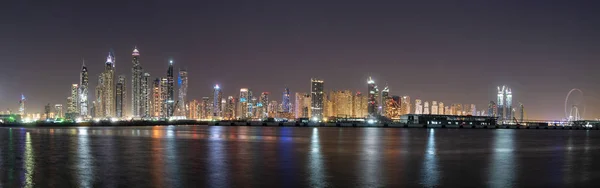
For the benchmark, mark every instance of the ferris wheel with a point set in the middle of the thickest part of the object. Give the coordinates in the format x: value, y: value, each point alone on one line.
x: 574, y: 105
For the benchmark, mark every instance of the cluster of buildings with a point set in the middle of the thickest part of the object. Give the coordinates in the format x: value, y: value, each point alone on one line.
x: 154, y: 98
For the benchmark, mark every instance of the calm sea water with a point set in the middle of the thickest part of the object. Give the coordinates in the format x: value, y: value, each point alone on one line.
x: 204, y: 156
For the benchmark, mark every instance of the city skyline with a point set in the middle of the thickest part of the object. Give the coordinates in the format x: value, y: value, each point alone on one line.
x: 540, y: 51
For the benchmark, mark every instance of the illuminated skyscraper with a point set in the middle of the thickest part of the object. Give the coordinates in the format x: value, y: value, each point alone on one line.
x: 393, y: 106
x: 164, y: 97
x: 146, y: 101
x: 286, y: 101
x: 99, y: 111
x: 157, y: 100
x: 170, y: 90
x: 316, y: 99
x: 441, y: 108
x: 72, y: 106
x: 522, y: 112
x: 273, y: 109
x: 385, y: 95
x: 426, y: 108
x: 193, y: 109
x: 492, y: 109
x: 230, y: 108
x: 108, y: 87
x: 447, y: 110
x: 501, y: 112
x: 418, y: 107
x: 137, y: 92
x: 250, y: 104
x: 120, y: 96
x: 373, y: 96
x: 243, y: 103
x: 473, y: 110
x: 302, y: 105
x: 183, y: 85
x: 217, y: 98
x: 509, y: 108
x: 22, y: 106
x: 405, y: 106
x: 434, y: 107
x: 263, y: 104
x: 58, y: 111
x: 359, y: 106
x: 342, y: 103
x: 83, y: 91
x: 205, y: 108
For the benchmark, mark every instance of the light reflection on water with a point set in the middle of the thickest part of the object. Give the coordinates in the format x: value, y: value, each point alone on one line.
x: 430, y: 172
x: 172, y: 156
x: 502, y: 172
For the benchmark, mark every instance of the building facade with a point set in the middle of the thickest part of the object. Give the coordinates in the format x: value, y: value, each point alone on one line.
x: 316, y: 99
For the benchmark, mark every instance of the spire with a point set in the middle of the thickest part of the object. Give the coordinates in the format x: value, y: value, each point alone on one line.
x: 83, y: 62
x: 135, y: 51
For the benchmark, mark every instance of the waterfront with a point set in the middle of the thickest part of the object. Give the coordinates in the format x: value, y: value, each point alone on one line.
x: 224, y: 156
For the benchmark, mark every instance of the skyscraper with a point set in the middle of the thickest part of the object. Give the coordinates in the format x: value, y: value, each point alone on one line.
x: 509, y: 108
x: 157, y: 101
x: 145, y: 101
x: 302, y: 105
x: 230, y: 108
x: 426, y: 108
x: 263, y: 104
x: 99, y: 103
x: 434, y: 107
x: 58, y: 111
x: 341, y: 103
x: 164, y: 97
x: 170, y: 90
x: 285, y: 102
x: 120, y: 96
x: 193, y: 109
x: 418, y: 107
x: 205, y: 108
x: 243, y: 103
x: 273, y: 109
x: 373, y: 96
x: 385, y: 95
x: 501, y: 112
x: 316, y: 99
x: 492, y: 109
x: 137, y: 92
x: 441, y: 108
x: 72, y: 107
x: 473, y: 110
x: 83, y: 91
x: 108, y: 87
x: 522, y: 112
x: 405, y: 106
x: 22, y: 106
x: 183, y: 86
x: 359, y: 106
x: 217, y: 97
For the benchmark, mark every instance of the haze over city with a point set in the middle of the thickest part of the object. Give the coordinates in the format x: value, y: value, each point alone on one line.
x: 456, y: 53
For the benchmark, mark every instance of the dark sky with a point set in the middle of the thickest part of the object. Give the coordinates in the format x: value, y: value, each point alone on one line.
x: 450, y: 51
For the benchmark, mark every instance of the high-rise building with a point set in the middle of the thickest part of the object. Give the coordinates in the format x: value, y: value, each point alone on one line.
x: 501, y: 112
x: 230, y: 108
x: 392, y: 107
x: 120, y: 96
x: 146, y: 101
x: 341, y: 103
x: 22, y: 105
x: 205, y: 108
x: 72, y: 105
x: 285, y: 102
x: 193, y: 109
x: 434, y: 107
x: 459, y: 110
x: 164, y: 97
x: 137, y: 92
x: 263, y: 104
x: 418, y: 107
x: 58, y: 111
x: 83, y: 91
x: 405, y: 106
x: 273, y: 109
x: 302, y: 105
x: 183, y: 85
x: 243, y: 103
x: 385, y: 95
x: 170, y: 90
x: 447, y: 110
x: 441, y: 108
x: 157, y: 101
x: 373, y: 96
x: 473, y: 110
x: 426, y: 108
x: 492, y: 109
x: 509, y: 108
x: 522, y: 112
x: 108, y: 87
x: 217, y: 98
x: 316, y: 99
x: 359, y: 105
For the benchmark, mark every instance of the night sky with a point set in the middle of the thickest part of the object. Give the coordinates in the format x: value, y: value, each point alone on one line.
x: 449, y: 51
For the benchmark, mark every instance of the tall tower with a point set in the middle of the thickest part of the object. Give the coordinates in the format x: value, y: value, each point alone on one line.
x: 170, y: 90
x: 372, y: 98
x: 83, y: 91
x: 145, y: 100
x: 263, y: 104
x: 58, y: 111
x: 441, y: 108
x: 418, y: 107
x: 120, y: 96
x: 434, y: 107
x: 522, y: 112
x: 508, y: 105
x: 316, y: 93
x: 243, y: 110
x: 405, y: 106
x: 157, y: 101
x: 137, y: 92
x: 164, y: 97
x: 182, y: 81
x: 108, y: 87
x: 385, y: 95
x: 205, y: 108
x: 426, y: 108
x: 492, y: 109
x: 72, y: 106
x: 22, y: 106
x: 99, y: 111
x: 500, y: 105
x: 285, y: 102
x: 217, y: 98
